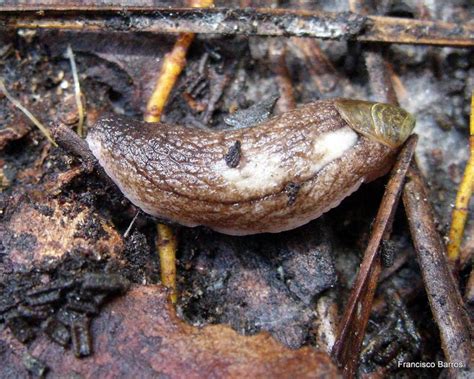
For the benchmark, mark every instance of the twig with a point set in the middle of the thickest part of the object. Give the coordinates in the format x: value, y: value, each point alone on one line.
x: 127, y: 232
x: 445, y: 301
x: 417, y: 32
x: 72, y: 143
x: 172, y: 66
x: 354, y: 321
x: 277, y: 54
x: 27, y: 113
x: 464, y: 194
x: 380, y: 80
x: 77, y: 91
x: 266, y: 22
x: 167, y: 244
x: 218, y: 83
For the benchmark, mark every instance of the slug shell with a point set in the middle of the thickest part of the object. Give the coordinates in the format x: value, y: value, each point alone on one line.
x: 271, y: 177
x: 386, y: 123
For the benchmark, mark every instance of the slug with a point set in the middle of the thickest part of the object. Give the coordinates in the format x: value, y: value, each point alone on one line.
x: 270, y: 177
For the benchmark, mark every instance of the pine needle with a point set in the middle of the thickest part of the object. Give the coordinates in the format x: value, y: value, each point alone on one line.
x: 27, y: 113
x: 77, y: 91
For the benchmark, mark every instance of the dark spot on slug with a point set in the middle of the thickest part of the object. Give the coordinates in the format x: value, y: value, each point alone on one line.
x: 232, y: 158
x: 291, y: 190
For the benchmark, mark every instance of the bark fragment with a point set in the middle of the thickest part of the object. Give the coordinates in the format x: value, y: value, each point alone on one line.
x: 144, y: 326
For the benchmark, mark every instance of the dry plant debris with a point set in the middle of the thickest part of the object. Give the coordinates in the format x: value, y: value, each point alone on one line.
x: 347, y: 346
x: 77, y: 91
x: 266, y: 22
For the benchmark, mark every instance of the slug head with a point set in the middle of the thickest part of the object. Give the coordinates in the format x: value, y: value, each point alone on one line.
x: 385, y: 123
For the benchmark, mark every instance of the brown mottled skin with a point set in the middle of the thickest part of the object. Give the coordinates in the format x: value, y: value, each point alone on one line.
x: 169, y: 170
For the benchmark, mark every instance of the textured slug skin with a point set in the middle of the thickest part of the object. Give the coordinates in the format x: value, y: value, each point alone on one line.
x: 291, y: 169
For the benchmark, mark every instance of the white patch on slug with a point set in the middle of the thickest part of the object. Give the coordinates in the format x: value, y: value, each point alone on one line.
x: 265, y: 171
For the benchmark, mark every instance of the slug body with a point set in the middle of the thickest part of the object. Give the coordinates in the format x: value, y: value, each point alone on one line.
x: 271, y: 177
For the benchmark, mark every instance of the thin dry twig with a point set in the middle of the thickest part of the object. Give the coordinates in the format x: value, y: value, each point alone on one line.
x: 27, y: 113
x: 72, y: 143
x: 464, y: 194
x: 129, y: 229
x: 77, y: 91
x: 380, y: 80
x: 267, y: 22
x: 277, y: 54
x: 172, y: 66
x: 166, y: 244
x: 354, y: 321
x: 445, y: 301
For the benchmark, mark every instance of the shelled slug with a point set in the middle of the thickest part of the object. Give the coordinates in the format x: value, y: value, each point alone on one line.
x: 270, y: 177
